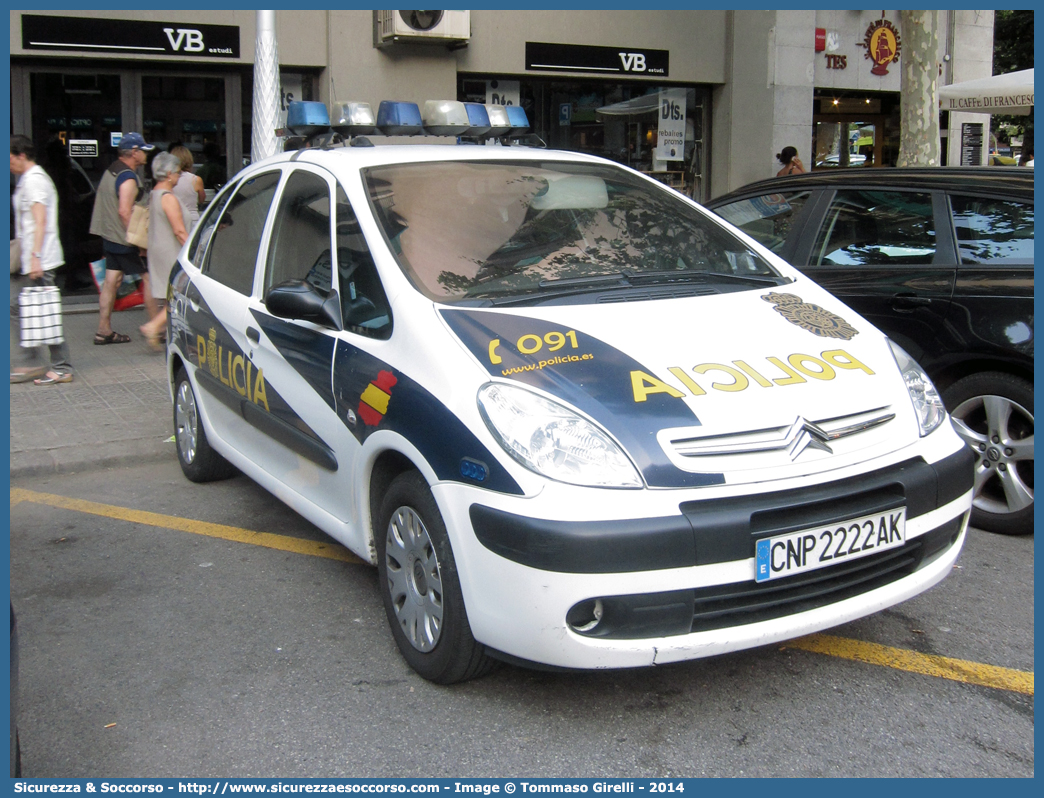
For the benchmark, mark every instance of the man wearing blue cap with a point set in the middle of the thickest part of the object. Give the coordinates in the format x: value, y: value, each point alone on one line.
x: 114, y: 201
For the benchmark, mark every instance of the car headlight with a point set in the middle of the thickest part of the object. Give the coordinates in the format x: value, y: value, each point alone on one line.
x: 554, y: 441
x: 927, y: 404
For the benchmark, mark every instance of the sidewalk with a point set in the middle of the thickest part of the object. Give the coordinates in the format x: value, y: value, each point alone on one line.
x: 116, y: 411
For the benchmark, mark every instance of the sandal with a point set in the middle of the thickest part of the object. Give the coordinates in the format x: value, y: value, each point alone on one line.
x: 24, y: 375
x: 53, y: 378
x: 112, y: 338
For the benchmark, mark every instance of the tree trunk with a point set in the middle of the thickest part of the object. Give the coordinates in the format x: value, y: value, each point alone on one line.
x: 919, y: 100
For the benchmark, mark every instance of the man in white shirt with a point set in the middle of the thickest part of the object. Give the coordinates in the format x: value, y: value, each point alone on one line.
x: 36, y: 227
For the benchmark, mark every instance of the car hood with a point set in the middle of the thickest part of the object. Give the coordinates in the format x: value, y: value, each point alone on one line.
x: 690, y: 369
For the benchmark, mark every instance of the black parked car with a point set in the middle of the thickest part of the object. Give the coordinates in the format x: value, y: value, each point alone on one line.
x: 942, y: 261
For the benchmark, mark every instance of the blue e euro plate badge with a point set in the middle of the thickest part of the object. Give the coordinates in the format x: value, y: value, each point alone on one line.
x: 761, y: 560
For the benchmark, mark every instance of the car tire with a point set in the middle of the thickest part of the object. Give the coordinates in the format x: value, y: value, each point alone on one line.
x: 199, y: 462
x: 419, y: 586
x: 993, y: 413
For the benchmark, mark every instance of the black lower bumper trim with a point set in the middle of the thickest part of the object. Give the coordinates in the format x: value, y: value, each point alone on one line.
x: 725, y: 606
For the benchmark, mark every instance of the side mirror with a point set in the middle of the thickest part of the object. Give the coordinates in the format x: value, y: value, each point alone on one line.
x: 299, y: 299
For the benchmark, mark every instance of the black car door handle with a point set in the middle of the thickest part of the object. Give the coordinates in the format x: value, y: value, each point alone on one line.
x: 909, y: 301
x: 254, y: 335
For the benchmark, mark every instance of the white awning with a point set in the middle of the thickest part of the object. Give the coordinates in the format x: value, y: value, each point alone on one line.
x: 1002, y: 94
x: 636, y: 106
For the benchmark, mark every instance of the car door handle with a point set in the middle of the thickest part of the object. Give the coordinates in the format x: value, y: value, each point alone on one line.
x: 254, y: 335
x: 909, y: 301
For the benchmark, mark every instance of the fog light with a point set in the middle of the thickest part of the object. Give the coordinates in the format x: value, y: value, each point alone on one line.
x: 586, y: 615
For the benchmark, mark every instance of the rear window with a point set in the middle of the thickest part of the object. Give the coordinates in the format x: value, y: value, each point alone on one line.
x: 877, y: 228
x: 470, y: 230
x: 991, y: 230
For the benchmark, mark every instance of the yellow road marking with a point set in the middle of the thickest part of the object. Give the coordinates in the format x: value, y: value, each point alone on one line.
x: 313, y: 548
x: 860, y: 651
x: 958, y: 670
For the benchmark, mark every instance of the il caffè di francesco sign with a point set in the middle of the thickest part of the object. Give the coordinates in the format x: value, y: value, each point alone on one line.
x: 137, y: 37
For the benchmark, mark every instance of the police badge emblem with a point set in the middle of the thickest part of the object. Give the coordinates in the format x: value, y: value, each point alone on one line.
x: 813, y: 318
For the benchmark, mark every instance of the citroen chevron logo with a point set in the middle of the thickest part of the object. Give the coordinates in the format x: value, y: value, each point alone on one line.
x: 803, y: 435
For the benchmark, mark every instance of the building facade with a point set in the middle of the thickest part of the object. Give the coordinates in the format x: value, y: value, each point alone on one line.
x: 741, y: 85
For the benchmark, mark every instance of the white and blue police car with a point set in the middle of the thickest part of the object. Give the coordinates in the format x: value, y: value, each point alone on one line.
x: 573, y: 418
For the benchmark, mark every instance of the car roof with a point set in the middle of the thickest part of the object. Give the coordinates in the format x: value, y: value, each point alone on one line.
x: 984, y: 180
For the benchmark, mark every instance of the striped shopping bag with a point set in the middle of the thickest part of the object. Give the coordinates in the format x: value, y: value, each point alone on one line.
x: 40, y: 311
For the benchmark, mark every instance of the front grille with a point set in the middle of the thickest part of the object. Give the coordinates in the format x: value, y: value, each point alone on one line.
x: 724, y: 606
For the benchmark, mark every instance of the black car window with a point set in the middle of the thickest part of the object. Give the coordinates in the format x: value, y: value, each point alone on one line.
x: 873, y: 228
x: 198, y: 247
x: 300, y: 244
x: 766, y: 219
x: 233, y: 252
x: 991, y: 230
x: 364, y: 307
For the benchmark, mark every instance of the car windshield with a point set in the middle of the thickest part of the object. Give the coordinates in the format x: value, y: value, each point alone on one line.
x: 529, y: 231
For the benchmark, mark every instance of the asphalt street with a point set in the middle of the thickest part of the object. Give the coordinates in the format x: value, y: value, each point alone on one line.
x: 152, y: 647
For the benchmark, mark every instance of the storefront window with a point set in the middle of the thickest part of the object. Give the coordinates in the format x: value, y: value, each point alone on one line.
x: 617, y: 121
x: 185, y: 109
x: 76, y: 107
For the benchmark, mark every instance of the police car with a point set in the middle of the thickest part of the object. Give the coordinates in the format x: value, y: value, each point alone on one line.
x: 572, y: 418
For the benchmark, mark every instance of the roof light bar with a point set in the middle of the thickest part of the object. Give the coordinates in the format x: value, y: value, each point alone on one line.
x: 351, y: 120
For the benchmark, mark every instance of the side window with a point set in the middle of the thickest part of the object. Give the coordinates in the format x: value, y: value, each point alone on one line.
x: 233, y: 250
x: 864, y: 228
x: 198, y: 247
x: 766, y: 219
x: 300, y: 244
x: 364, y: 306
x: 991, y: 230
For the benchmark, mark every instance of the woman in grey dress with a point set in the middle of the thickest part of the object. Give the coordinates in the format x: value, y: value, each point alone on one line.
x: 167, y: 233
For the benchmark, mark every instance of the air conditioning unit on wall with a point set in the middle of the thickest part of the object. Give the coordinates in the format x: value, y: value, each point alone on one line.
x: 423, y: 27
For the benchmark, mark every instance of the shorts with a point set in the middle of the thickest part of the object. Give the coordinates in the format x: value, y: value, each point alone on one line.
x: 128, y: 263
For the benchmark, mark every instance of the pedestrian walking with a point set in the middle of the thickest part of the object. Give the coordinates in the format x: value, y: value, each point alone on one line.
x: 189, y: 188
x: 120, y: 188
x: 791, y: 163
x: 166, y: 236
x: 35, y: 203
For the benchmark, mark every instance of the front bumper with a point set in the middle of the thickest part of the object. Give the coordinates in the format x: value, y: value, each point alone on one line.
x: 681, y: 587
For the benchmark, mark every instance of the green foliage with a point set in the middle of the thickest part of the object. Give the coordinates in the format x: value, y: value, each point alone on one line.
x: 1013, y: 51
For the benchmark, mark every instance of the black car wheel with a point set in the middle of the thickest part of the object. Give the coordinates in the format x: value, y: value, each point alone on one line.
x: 419, y: 585
x: 199, y: 462
x: 993, y: 412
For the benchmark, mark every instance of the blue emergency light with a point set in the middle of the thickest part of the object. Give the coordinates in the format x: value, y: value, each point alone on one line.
x: 307, y: 118
x: 518, y: 119
x: 399, y: 119
x: 479, y: 119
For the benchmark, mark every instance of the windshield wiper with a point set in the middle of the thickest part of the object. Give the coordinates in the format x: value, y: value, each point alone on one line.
x: 701, y: 275
x: 594, y: 279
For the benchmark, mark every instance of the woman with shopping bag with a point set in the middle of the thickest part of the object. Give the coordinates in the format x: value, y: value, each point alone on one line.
x: 40, y: 304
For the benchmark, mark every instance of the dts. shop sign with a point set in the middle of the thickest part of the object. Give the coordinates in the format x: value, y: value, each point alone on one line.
x: 138, y: 37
